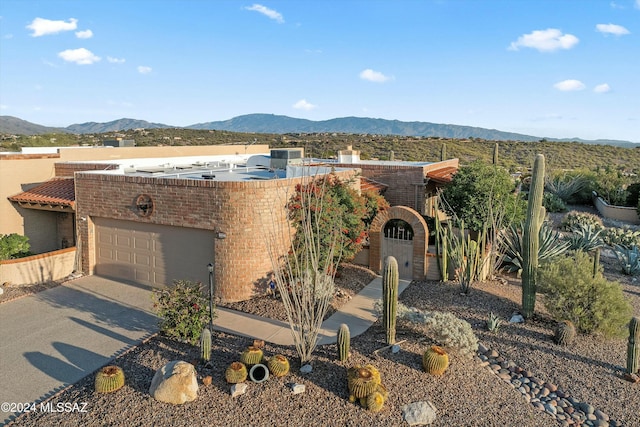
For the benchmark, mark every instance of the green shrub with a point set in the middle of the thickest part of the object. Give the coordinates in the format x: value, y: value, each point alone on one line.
x: 593, y: 304
x: 633, y: 196
x: 183, y: 309
x: 573, y: 218
x: 553, y: 203
x: 14, y: 246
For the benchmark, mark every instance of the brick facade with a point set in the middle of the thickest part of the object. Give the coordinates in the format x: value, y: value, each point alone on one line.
x: 247, y: 211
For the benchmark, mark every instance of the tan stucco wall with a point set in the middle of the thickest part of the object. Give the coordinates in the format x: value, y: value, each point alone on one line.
x: 42, y: 268
x: 619, y: 213
x: 20, y: 172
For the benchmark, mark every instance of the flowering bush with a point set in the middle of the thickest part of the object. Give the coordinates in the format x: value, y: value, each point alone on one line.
x: 183, y: 309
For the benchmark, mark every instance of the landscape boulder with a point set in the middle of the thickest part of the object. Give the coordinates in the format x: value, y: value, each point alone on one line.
x: 175, y: 383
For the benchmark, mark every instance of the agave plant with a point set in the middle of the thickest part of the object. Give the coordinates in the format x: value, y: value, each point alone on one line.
x: 493, y: 322
x: 565, y: 188
x: 510, y: 241
x: 629, y: 259
x: 585, y: 238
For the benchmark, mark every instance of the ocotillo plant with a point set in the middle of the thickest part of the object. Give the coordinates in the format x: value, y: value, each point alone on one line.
x: 531, y: 237
x: 205, y: 345
x: 390, y: 298
x: 443, y: 152
x: 633, y: 347
x: 495, y: 154
x: 344, y: 342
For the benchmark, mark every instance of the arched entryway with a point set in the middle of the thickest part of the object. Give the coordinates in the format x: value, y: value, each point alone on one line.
x: 401, y: 232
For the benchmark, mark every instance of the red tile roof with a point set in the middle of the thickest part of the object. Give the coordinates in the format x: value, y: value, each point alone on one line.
x: 443, y: 175
x: 369, y: 184
x: 58, y: 192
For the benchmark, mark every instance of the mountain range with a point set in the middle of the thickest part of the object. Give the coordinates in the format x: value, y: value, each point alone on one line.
x: 277, y: 124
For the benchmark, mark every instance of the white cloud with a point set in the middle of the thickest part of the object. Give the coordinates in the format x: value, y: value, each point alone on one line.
x: 304, y: 105
x: 603, y: 88
x: 42, y: 27
x: 113, y: 60
x: 142, y: 69
x: 569, y: 85
x: 80, y: 56
x: 270, y: 13
x: 86, y: 34
x: 373, y: 76
x: 4, y: 107
x: 617, y: 30
x: 547, y: 40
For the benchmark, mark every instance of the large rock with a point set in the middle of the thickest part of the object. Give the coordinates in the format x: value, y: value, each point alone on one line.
x: 419, y: 413
x: 175, y: 383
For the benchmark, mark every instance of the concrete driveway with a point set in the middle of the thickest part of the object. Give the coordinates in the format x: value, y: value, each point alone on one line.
x: 54, y: 338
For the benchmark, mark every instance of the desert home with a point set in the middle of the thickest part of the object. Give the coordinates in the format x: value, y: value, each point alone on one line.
x: 149, y: 215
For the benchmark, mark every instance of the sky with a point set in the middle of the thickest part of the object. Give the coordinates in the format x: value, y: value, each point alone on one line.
x: 548, y: 68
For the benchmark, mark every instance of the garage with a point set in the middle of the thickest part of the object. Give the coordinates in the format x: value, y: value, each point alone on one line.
x: 151, y: 254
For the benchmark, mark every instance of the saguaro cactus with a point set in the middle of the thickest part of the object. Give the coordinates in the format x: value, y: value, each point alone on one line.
x: 443, y: 152
x: 531, y: 237
x: 344, y: 342
x: 390, y: 279
x: 205, y: 345
x: 495, y: 154
x: 633, y: 347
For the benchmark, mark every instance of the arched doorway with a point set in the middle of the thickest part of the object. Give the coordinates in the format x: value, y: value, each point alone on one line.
x: 402, y: 233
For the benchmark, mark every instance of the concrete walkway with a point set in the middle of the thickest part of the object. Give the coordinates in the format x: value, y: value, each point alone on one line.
x: 55, y: 338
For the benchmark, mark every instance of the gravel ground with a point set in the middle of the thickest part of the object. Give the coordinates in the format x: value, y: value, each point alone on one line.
x: 466, y: 395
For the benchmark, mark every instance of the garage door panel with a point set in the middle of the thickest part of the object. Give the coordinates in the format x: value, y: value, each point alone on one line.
x: 151, y: 254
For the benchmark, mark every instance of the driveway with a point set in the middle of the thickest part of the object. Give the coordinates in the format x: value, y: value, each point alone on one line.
x: 54, y: 338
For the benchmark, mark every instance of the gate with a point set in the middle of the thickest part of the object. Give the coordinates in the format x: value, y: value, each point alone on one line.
x: 398, y: 243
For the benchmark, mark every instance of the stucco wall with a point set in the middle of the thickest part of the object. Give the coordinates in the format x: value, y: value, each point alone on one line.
x: 248, y: 212
x: 619, y: 213
x: 42, y: 268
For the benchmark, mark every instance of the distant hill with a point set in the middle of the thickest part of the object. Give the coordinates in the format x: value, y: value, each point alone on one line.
x: 116, y: 125
x: 16, y: 126
x: 276, y: 124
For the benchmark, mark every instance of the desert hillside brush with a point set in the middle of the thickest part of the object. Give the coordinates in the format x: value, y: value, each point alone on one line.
x: 593, y: 304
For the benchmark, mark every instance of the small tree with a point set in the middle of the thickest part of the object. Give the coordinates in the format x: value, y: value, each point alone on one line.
x: 306, y: 275
x: 477, y: 189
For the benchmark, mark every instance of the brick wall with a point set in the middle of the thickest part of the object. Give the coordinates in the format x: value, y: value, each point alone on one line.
x: 406, y: 183
x: 68, y: 169
x: 248, y: 212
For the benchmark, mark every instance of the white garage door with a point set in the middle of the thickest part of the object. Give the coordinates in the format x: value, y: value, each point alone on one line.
x: 151, y: 254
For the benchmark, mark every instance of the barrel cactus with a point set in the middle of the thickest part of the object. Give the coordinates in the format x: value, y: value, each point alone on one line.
x: 108, y: 379
x: 344, y: 342
x: 633, y: 346
x: 390, y: 278
x: 251, y: 356
x: 236, y: 373
x: 375, y: 402
x: 435, y: 360
x: 205, y: 345
x: 564, y: 333
x: 361, y: 382
x: 278, y: 365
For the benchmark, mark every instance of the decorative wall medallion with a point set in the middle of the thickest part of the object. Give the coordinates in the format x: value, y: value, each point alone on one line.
x: 144, y: 205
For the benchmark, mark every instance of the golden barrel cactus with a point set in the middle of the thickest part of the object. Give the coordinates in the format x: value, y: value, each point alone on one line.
x: 236, y: 373
x: 435, y: 360
x: 108, y: 379
x: 278, y: 365
x: 251, y: 356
